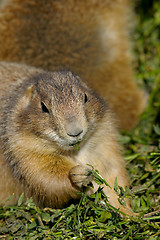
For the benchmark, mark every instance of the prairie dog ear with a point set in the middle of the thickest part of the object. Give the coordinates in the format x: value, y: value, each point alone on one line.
x: 30, y: 92
x: 26, y: 97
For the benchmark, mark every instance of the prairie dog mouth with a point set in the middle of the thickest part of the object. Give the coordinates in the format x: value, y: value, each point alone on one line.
x: 75, y: 143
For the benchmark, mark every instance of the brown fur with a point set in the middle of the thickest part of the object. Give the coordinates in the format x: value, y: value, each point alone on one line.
x: 42, y: 115
x: 90, y: 37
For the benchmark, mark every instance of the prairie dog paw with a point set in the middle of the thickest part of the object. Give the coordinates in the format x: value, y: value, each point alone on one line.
x: 79, y: 176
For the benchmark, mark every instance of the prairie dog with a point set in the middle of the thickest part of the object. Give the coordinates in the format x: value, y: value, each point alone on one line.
x: 43, y: 115
x: 90, y: 37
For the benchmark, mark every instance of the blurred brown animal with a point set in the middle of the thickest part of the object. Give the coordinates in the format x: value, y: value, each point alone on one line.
x: 90, y: 37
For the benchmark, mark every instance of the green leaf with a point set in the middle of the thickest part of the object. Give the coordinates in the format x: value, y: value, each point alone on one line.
x: 32, y: 224
x: 156, y: 129
x: 46, y: 217
x: 104, y: 216
x: 77, y: 147
x: 20, y: 200
x: 115, y: 185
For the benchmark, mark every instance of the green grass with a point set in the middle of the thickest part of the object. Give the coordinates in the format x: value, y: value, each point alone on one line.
x: 93, y: 217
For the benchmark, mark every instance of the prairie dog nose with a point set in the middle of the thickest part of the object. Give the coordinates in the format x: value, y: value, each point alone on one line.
x: 75, y: 132
x: 73, y: 127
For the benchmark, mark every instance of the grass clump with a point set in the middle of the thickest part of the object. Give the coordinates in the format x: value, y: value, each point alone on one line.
x: 92, y: 218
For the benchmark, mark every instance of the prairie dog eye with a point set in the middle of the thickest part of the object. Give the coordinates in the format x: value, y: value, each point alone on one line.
x: 44, y: 108
x: 85, y: 98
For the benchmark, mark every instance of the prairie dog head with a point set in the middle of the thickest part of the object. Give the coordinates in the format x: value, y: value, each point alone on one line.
x: 58, y: 108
